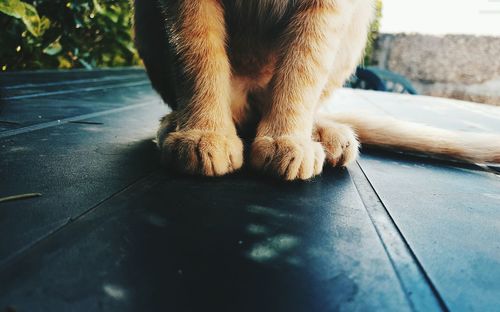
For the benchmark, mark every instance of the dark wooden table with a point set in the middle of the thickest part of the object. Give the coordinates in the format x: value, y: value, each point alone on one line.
x: 113, y: 231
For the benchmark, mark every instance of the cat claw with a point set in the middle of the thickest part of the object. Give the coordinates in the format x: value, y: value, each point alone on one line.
x: 289, y: 157
x: 202, y: 152
x: 339, y: 142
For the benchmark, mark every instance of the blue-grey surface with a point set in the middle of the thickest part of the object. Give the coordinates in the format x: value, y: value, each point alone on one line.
x: 451, y: 218
x: 181, y: 244
x: 113, y: 231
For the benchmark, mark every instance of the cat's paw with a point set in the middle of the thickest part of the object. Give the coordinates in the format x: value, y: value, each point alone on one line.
x: 289, y: 157
x: 202, y: 152
x: 339, y: 142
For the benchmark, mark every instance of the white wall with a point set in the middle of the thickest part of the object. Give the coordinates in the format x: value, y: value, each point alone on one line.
x: 477, y: 17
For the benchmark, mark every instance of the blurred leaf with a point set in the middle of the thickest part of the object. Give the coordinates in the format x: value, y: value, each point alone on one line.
x: 98, y: 7
x: 78, y: 23
x: 66, y: 34
x: 373, y: 33
x: 64, y: 63
x: 85, y: 64
x: 112, y: 16
x: 53, y: 48
x: 14, y: 8
x: 44, y: 24
x: 31, y: 20
x: 26, y: 12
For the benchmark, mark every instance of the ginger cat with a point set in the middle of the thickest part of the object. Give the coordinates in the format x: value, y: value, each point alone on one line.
x: 230, y: 67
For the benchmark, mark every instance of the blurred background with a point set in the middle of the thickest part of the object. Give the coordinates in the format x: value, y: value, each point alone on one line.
x: 446, y: 48
x: 48, y: 34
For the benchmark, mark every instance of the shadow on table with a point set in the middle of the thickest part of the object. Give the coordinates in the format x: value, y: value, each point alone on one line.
x: 245, y: 242
x: 237, y: 243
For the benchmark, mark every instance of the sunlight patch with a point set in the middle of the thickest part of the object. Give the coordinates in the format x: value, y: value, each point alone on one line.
x: 273, y: 247
x: 114, y: 291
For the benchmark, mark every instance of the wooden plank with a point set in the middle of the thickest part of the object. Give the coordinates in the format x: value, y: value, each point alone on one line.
x: 107, y: 235
x: 75, y: 167
x: 28, y: 112
x: 29, y: 98
x: 42, y: 77
x: 48, y: 89
x: 450, y: 218
x: 238, y: 243
x: 448, y: 215
x: 438, y: 112
x: 419, y: 289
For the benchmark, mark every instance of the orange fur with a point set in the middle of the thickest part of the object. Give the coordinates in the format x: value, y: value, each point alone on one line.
x: 268, y: 65
x: 286, y: 85
x: 314, y: 38
x: 391, y: 133
x: 204, y: 140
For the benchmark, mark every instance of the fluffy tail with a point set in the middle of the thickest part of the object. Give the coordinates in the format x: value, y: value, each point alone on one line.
x: 392, y: 133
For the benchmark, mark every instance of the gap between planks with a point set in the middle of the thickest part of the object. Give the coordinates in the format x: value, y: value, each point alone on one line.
x: 55, y: 123
x: 419, y: 289
x: 74, y: 82
x: 12, y: 259
x: 123, y: 85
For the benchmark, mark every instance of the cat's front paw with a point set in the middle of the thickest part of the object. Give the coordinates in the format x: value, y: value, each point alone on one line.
x: 289, y: 157
x: 202, y: 152
x: 339, y: 142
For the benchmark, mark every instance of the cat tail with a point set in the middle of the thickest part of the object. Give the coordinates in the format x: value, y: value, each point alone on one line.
x: 391, y: 133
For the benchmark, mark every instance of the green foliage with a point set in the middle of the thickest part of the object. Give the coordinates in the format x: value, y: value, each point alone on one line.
x: 40, y: 34
x: 37, y: 34
x: 373, y: 34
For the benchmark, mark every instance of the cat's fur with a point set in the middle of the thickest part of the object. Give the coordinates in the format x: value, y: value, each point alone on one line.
x: 229, y: 66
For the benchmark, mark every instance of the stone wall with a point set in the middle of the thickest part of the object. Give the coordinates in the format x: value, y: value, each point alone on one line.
x: 455, y: 66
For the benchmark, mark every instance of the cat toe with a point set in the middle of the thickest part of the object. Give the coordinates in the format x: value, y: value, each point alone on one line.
x: 291, y: 158
x: 339, y: 142
x: 200, y: 152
